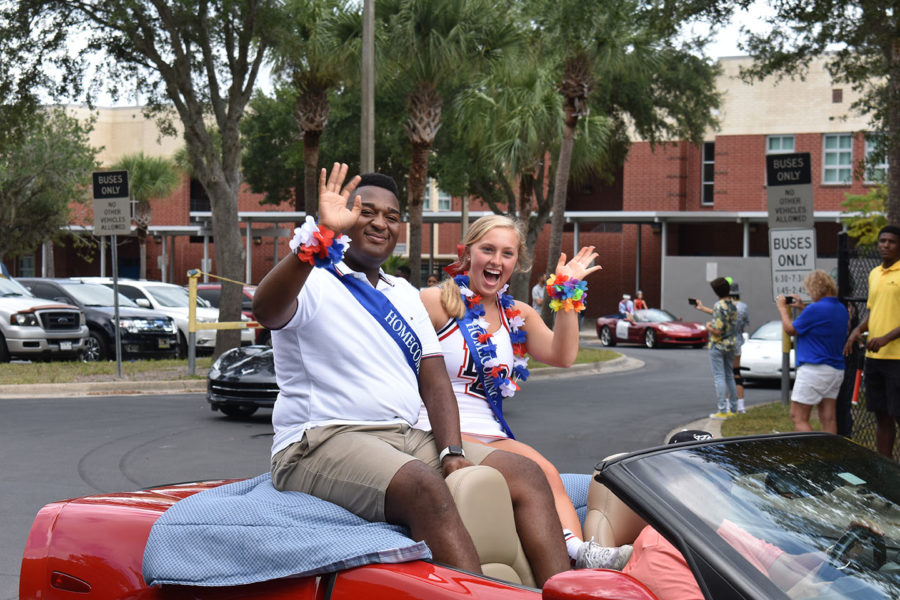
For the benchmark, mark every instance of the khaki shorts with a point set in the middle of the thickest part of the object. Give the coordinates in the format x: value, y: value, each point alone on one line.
x: 352, y: 465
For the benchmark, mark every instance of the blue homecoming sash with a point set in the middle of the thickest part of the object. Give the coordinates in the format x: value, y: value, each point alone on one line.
x: 387, y: 315
x: 470, y: 330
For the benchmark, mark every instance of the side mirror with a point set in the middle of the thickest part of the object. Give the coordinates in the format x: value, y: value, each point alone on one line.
x: 143, y: 302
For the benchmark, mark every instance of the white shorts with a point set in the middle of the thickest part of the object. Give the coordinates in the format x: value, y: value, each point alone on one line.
x: 814, y: 382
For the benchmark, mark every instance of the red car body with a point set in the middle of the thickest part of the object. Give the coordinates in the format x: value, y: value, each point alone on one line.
x: 651, y: 327
x: 92, y: 547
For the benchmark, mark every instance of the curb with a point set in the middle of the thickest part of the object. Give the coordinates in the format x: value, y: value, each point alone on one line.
x: 623, y: 363
x: 713, y: 426
x: 102, y: 388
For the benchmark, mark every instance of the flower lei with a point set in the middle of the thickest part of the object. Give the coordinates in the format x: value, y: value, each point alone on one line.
x: 317, y: 245
x: 567, y: 293
x: 488, y: 351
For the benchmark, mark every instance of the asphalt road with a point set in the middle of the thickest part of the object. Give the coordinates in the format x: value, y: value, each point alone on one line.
x: 66, y: 447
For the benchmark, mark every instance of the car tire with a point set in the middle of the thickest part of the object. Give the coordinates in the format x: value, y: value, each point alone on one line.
x: 237, y: 411
x: 182, y: 347
x: 650, y: 338
x: 4, y: 350
x: 95, y: 348
x: 699, y: 345
x: 607, y: 337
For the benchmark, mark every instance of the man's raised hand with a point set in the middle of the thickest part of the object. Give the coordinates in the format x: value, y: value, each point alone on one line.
x: 333, y: 200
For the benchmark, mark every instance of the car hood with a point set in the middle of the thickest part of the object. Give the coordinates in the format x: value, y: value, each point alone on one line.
x: 679, y: 326
x: 130, y: 311
x: 22, y: 303
x: 250, y: 363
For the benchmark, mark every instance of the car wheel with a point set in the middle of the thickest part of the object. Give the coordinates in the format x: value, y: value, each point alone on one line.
x: 4, y: 351
x: 94, y: 348
x: 238, y: 411
x: 182, y: 346
x: 607, y: 338
x: 650, y: 338
x: 699, y: 345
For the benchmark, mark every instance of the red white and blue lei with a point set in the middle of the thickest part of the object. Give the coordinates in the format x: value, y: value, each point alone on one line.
x: 488, y: 351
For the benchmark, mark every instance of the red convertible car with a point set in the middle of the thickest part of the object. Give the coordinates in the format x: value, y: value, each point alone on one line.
x: 732, y: 507
x: 651, y: 327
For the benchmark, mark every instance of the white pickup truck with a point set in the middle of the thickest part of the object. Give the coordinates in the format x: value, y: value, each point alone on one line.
x: 34, y: 328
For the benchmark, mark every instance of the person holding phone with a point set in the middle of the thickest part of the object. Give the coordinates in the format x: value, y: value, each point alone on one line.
x: 722, y: 345
x: 821, y: 328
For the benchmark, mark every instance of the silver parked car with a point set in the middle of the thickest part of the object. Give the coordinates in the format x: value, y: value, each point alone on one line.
x: 35, y: 328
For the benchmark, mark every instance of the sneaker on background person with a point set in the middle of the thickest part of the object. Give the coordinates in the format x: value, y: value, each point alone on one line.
x: 592, y: 555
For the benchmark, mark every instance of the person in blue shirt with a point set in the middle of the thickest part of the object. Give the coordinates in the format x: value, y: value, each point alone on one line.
x: 821, y: 330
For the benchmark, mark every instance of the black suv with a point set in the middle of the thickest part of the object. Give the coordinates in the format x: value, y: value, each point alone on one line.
x: 145, y: 333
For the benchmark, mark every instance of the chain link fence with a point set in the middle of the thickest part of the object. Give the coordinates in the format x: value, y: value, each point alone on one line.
x: 854, y: 265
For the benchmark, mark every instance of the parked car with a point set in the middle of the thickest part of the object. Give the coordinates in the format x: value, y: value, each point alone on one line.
x: 811, y: 495
x: 242, y: 380
x: 172, y: 300
x: 761, y: 354
x: 212, y: 292
x: 144, y: 333
x: 35, y: 328
x: 651, y: 327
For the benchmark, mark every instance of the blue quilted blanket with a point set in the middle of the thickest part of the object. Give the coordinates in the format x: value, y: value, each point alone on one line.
x: 248, y: 531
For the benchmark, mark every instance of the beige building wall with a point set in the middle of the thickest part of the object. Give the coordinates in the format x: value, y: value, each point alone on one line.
x: 784, y: 107
x: 125, y: 130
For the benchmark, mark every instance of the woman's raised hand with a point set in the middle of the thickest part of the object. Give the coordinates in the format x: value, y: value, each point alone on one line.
x: 579, y: 267
x: 333, y: 211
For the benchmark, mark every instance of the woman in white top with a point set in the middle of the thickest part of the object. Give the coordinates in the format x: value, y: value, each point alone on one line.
x: 484, y: 334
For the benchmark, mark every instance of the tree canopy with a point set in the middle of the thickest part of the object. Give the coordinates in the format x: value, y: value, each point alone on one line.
x: 859, y: 43
x: 192, y: 61
x: 45, y: 166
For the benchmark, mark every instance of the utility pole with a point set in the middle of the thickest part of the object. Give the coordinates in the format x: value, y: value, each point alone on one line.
x: 367, y: 124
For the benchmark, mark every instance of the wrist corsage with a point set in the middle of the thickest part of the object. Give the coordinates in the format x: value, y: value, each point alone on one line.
x: 317, y: 245
x: 566, y: 293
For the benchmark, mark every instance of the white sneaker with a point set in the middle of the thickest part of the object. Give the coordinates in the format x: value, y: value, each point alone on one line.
x: 592, y: 555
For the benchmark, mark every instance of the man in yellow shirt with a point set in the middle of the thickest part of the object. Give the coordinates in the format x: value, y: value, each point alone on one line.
x: 883, y: 345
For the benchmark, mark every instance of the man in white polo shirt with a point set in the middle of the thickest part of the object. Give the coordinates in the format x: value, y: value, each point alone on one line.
x: 355, y: 354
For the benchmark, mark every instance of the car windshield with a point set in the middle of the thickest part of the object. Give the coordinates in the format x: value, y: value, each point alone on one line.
x: 91, y: 294
x: 653, y: 315
x: 173, y: 296
x: 768, y: 332
x: 10, y: 288
x: 822, y: 505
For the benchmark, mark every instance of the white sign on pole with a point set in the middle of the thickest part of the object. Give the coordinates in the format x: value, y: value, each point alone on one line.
x: 112, y: 207
x: 793, y: 257
x: 789, y: 191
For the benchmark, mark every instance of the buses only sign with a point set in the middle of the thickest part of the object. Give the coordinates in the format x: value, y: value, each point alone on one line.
x: 793, y: 254
x: 789, y: 191
x: 112, y: 206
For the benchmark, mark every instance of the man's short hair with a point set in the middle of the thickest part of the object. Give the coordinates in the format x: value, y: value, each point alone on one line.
x: 890, y: 229
x: 720, y: 286
x: 379, y: 180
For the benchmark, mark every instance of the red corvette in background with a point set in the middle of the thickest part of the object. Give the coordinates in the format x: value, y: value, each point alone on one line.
x: 651, y: 327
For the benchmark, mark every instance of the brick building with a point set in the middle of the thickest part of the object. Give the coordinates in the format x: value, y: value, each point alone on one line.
x: 675, y: 216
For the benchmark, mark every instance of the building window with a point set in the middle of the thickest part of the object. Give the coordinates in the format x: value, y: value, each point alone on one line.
x: 837, y: 163
x: 876, y: 161
x: 443, y: 200
x: 709, y: 160
x: 26, y: 265
x: 837, y: 96
x: 199, y: 198
x: 779, y: 144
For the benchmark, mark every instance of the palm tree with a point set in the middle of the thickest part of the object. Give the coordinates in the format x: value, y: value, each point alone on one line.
x: 316, y: 51
x: 624, y: 60
x: 149, y: 177
x: 434, y: 45
x: 510, y: 122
